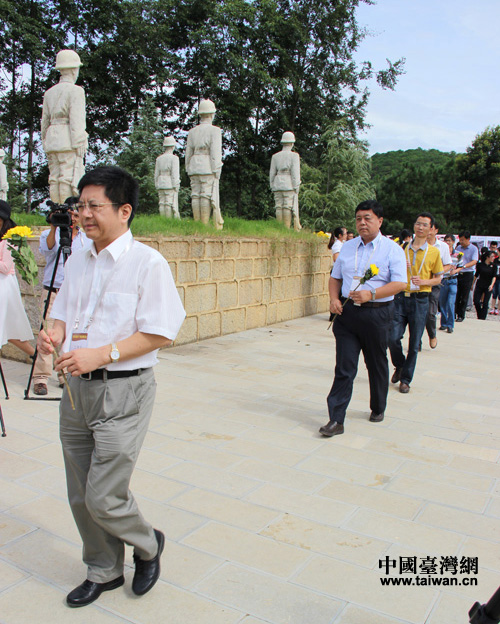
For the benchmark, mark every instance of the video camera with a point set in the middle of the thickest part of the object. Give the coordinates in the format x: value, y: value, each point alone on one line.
x: 58, y: 214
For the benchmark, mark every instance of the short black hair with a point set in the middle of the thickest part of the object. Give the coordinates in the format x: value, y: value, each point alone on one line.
x: 494, y: 243
x: 426, y: 215
x: 338, y: 231
x: 371, y: 204
x: 464, y: 234
x: 404, y: 234
x: 450, y: 236
x: 120, y: 187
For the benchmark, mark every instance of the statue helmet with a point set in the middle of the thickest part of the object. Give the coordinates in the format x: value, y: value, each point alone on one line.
x: 206, y: 107
x: 288, y: 137
x: 169, y: 141
x: 67, y: 59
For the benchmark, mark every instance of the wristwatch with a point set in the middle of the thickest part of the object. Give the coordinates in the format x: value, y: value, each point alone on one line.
x: 374, y: 294
x: 115, y: 354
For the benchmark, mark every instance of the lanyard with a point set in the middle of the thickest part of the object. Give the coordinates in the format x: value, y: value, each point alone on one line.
x: 415, y: 259
x: 368, y: 261
x: 102, y: 291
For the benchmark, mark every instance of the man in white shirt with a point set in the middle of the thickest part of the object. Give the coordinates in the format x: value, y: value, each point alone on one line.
x: 117, y: 306
x: 444, y: 252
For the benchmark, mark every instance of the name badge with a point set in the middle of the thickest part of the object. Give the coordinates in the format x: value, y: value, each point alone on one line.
x: 78, y: 341
x: 356, y: 280
x: 413, y: 286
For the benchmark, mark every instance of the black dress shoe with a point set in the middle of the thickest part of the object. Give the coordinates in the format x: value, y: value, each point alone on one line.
x: 396, y: 376
x: 404, y: 388
x: 449, y: 330
x: 459, y: 320
x: 89, y: 591
x: 376, y: 417
x: 148, y: 572
x: 333, y: 428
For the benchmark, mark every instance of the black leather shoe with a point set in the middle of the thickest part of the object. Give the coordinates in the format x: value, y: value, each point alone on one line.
x: 396, y: 376
x: 459, y: 320
x: 333, y: 428
x: 404, y: 388
x: 148, y: 572
x: 376, y: 417
x: 449, y: 330
x: 89, y: 591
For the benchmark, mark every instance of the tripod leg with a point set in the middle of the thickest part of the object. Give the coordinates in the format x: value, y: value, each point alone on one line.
x: 4, y: 384
x: 2, y: 424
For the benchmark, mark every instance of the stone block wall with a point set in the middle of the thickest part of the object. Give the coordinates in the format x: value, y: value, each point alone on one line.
x: 229, y: 285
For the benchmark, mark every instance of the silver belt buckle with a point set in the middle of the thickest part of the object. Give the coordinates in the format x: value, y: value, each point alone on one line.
x: 86, y: 376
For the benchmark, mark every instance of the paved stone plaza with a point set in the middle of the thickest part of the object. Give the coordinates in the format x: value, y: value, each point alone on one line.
x: 267, y: 522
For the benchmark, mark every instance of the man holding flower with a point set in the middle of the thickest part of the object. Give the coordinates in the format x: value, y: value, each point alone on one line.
x: 369, y: 271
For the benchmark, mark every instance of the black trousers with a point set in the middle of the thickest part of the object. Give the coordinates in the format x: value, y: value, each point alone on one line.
x: 430, y: 323
x: 481, y: 306
x: 464, y: 284
x: 365, y: 329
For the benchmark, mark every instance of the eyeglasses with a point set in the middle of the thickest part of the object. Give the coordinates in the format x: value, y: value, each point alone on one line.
x: 422, y: 225
x: 94, y: 207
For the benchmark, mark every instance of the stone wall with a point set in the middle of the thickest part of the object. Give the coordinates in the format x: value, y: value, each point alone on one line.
x: 229, y: 285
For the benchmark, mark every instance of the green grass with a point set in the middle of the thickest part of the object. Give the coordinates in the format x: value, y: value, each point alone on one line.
x: 154, y: 225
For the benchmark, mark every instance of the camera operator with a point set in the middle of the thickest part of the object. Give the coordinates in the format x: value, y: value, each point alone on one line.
x: 49, y: 245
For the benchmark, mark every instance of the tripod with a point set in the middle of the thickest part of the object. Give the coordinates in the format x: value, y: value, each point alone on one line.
x: 2, y: 424
x: 65, y: 240
x: 488, y: 613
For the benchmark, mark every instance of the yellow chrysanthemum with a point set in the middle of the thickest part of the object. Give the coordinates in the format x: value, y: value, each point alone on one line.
x: 19, y: 230
x: 374, y: 269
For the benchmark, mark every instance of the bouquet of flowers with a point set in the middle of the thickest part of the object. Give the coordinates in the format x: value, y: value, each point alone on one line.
x: 24, y: 259
x: 370, y: 272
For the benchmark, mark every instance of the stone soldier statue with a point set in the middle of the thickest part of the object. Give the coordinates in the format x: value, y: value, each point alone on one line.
x: 204, y: 164
x: 167, y: 179
x: 64, y: 137
x: 4, y: 185
x: 284, y: 177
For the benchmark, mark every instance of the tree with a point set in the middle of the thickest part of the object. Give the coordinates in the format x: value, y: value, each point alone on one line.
x: 478, y: 177
x: 330, y: 193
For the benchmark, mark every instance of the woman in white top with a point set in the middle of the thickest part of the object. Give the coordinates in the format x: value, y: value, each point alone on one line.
x: 336, y: 241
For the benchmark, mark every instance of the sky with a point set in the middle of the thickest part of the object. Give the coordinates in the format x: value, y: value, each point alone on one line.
x: 451, y: 89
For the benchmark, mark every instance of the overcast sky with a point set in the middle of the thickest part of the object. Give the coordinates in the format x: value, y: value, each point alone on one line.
x: 451, y: 89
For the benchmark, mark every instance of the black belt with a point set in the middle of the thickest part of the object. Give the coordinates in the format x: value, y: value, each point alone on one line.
x: 369, y: 304
x: 418, y: 295
x: 104, y: 374
x: 54, y: 290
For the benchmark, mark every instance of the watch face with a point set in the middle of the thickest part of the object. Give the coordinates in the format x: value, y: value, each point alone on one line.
x: 115, y: 354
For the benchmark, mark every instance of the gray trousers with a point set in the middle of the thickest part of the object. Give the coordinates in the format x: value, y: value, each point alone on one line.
x: 101, y: 440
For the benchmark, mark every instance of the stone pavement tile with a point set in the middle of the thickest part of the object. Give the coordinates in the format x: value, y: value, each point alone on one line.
x: 48, y: 557
x: 12, y: 494
x: 261, y: 450
x: 280, y: 475
x: 265, y: 419
x: 175, y: 523
x: 9, y: 575
x: 154, y: 461
x: 356, y: 615
x: 300, y: 444
x: 403, y: 532
x: 327, y: 540
x: 20, y: 442
x: 49, y: 513
x: 155, y: 487
x: 249, y: 619
x: 362, y: 587
x: 463, y: 522
x: 374, y: 431
x: 248, y: 549
x: 490, y: 440
x: 199, y: 453
x: 49, y: 453
x: 377, y: 461
x: 406, y: 451
x: 51, y: 481
x: 377, y: 499
x: 451, y: 609
x: 213, y: 479
x: 184, y: 566
x: 446, y: 433
x: 191, y: 433
x: 11, y: 529
x: 476, y: 466
x: 166, y: 603
x: 494, y: 508
x: 460, y: 448
x: 440, y: 492
x: 488, y: 555
x: 225, y: 509
x: 477, y: 408
x: 15, y: 466
x: 343, y: 471
x: 268, y: 598
x: 310, y: 506
x: 35, y: 601
x: 448, y: 476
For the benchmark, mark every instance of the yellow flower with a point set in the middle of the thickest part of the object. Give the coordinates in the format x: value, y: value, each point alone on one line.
x: 19, y: 230
x: 396, y: 240
x: 374, y: 269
